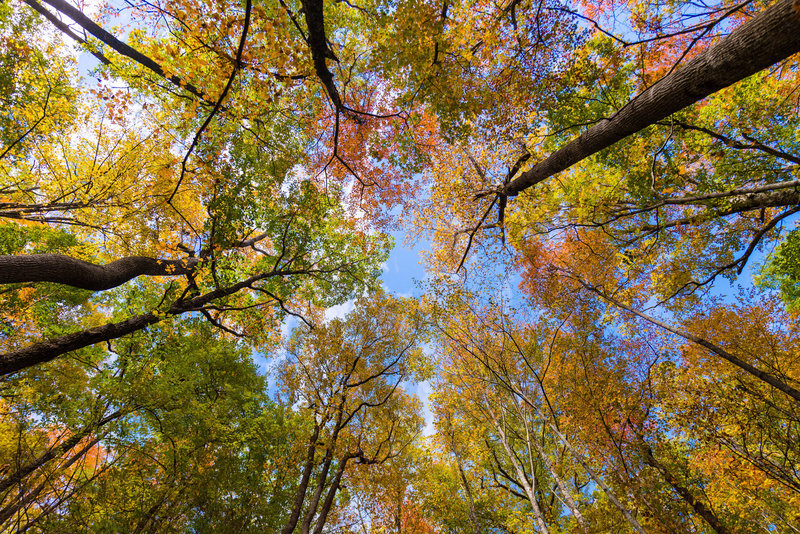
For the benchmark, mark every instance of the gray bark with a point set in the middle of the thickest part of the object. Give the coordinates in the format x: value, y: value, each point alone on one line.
x: 769, y: 37
x: 740, y: 204
x: 528, y: 485
x: 84, y: 275
x: 610, y: 494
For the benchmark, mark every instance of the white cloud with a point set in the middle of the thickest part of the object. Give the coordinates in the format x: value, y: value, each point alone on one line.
x: 340, y: 310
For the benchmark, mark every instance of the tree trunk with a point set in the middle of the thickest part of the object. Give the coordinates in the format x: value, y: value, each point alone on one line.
x: 610, y: 494
x: 84, y: 275
x: 684, y: 492
x: 53, y: 452
x: 305, y: 528
x: 326, y: 505
x: 300, y: 494
x: 740, y: 204
x: 45, y: 351
x: 23, y: 501
x: 473, y: 517
x: 769, y: 37
x: 562, y: 487
x: 529, y: 487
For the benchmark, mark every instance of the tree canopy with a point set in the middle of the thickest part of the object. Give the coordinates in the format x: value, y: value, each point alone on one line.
x: 197, y: 205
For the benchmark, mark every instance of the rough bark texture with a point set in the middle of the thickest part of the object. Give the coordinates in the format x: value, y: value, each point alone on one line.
x: 740, y: 204
x: 84, y: 275
x: 769, y: 37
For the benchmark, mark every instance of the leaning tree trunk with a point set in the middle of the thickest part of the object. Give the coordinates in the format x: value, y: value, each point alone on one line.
x: 769, y: 37
x: 24, y: 500
x: 328, y: 503
x: 57, y: 450
x: 302, y: 489
x: 84, y: 275
x: 701, y: 509
x: 91, y: 27
x: 45, y: 351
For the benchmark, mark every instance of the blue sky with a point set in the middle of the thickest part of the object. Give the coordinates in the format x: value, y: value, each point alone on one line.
x: 404, y: 267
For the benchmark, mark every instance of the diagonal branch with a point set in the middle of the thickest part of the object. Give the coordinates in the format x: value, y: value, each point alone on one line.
x: 118, y: 46
x: 769, y: 37
x: 62, y: 269
x: 236, y: 67
x: 318, y: 44
x: 719, y: 351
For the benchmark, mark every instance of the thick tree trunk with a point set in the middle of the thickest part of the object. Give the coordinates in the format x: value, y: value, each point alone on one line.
x: 84, y: 275
x: 769, y: 37
x: 318, y: 44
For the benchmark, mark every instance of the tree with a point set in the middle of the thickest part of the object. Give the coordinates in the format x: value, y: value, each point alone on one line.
x: 180, y: 435
x: 225, y: 172
x: 347, y: 377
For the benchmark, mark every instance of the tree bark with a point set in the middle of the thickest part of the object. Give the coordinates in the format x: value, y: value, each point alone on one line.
x: 769, y: 37
x: 322, y: 477
x: 473, y: 517
x: 684, y: 492
x: 84, y: 275
x: 742, y: 204
x: 300, y: 494
x: 118, y: 46
x: 528, y: 486
x: 609, y: 493
x: 562, y: 487
x: 326, y: 505
x: 45, y: 351
x: 318, y: 44
x: 53, y: 452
